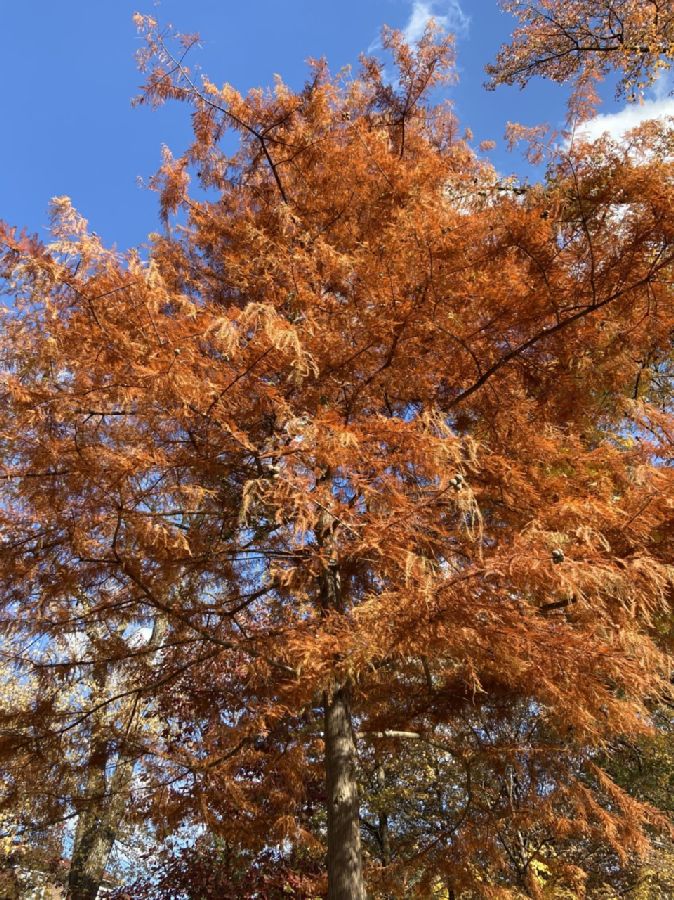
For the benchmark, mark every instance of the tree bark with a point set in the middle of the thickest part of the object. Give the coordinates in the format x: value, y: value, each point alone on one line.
x: 345, y: 865
x: 383, y: 829
x: 105, y: 796
x: 97, y: 830
x: 345, y: 871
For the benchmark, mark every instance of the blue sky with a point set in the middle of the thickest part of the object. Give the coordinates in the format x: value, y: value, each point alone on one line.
x: 69, y: 74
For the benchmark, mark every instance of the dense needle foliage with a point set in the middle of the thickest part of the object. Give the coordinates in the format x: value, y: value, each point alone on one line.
x: 366, y: 430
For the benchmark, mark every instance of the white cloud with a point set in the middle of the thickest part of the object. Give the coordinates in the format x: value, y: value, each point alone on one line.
x: 447, y: 13
x: 139, y: 638
x: 633, y: 114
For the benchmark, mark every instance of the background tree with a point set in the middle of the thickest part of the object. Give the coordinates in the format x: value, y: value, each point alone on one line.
x: 586, y: 41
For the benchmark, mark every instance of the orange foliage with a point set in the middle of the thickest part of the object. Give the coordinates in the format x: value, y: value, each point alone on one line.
x: 353, y: 358
x: 585, y: 40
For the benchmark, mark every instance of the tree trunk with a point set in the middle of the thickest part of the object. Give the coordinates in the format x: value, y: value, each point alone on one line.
x: 105, y: 796
x: 383, y: 830
x: 345, y: 872
x: 345, y: 865
x: 97, y: 830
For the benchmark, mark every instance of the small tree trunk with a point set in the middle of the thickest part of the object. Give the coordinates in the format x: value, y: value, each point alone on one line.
x: 97, y: 830
x: 105, y: 795
x: 383, y: 830
x: 345, y: 871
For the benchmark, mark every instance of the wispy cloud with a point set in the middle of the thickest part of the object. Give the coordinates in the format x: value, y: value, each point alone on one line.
x: 447, y: 13
x: 660, y: 105
x: 617, y: 124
